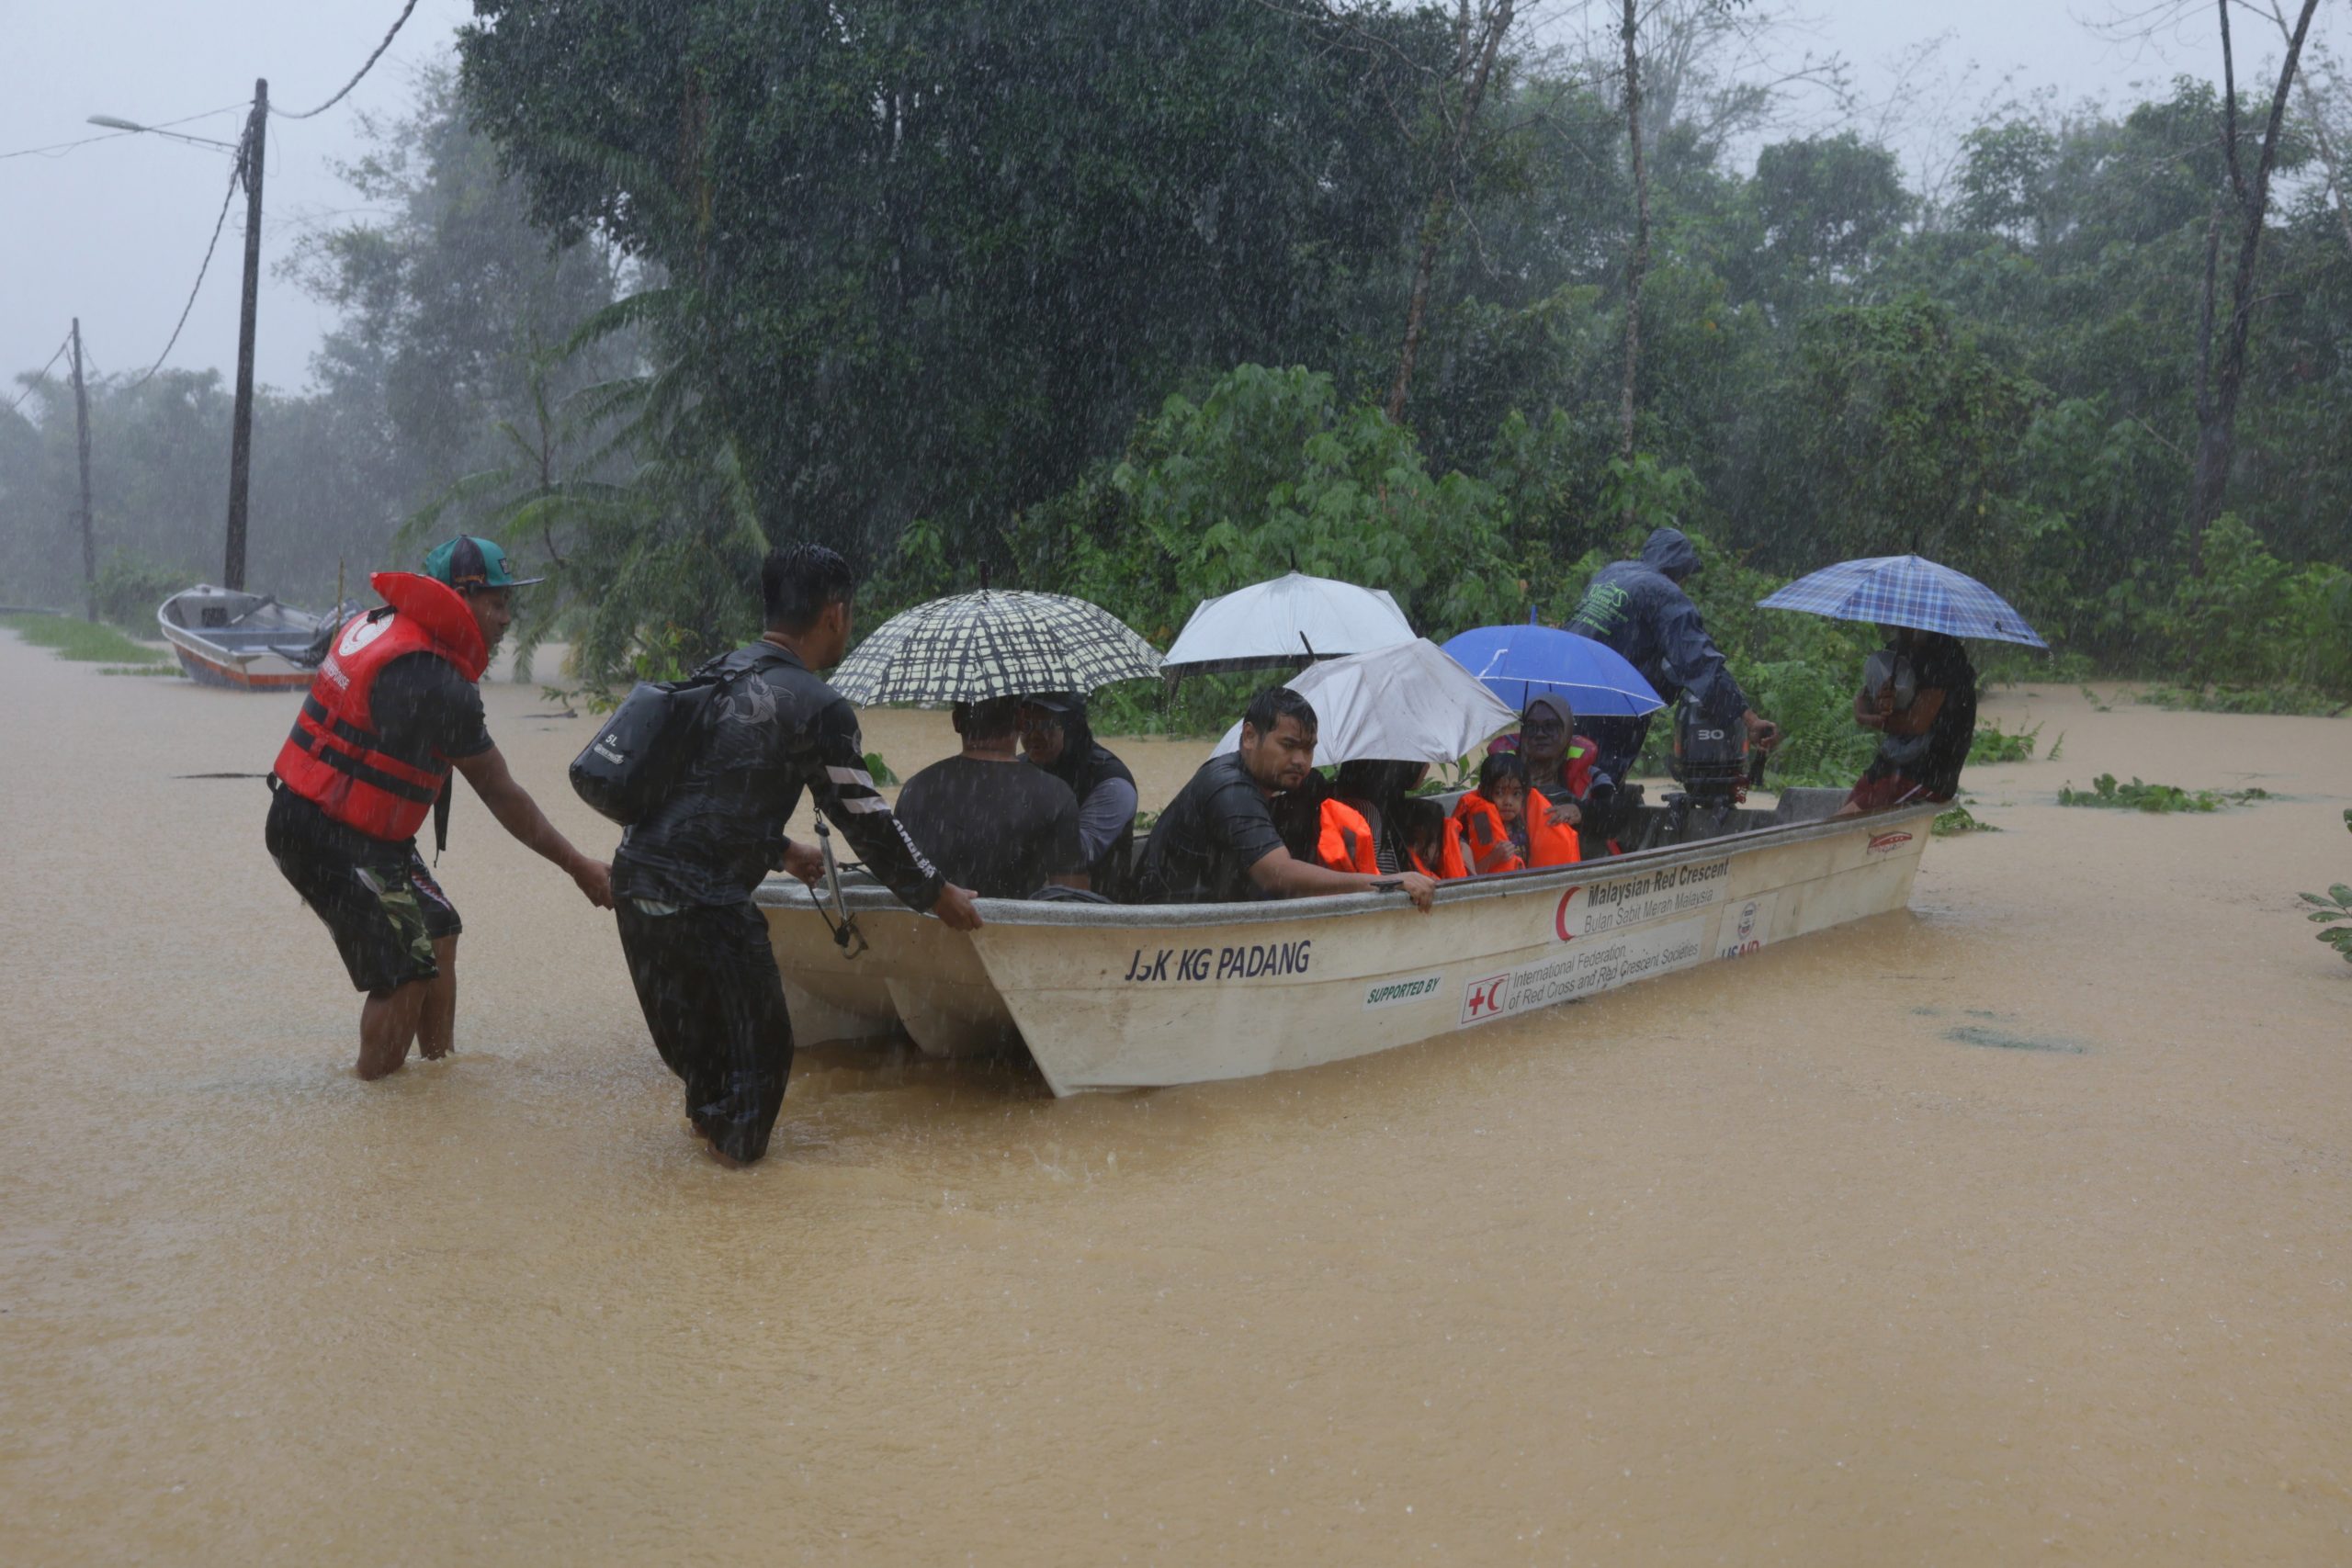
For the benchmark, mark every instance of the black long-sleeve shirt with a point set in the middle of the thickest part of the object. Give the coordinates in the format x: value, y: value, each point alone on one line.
x: 772, y: 733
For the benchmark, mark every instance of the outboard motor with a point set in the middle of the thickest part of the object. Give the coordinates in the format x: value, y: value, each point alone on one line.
x: 1710, y: 756
x: 1711, y: 762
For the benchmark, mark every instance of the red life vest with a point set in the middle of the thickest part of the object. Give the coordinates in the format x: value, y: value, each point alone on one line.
x: 1576, y: 765
x: 1486, y: 837
x: 1345, y: 843
x: 1450, y: 862
x: 1549, y: 842
x: 335, y: 758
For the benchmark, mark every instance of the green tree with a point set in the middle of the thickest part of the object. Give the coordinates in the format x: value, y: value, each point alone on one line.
x: 1903, y: 435
x: 454, y: 312
x: 930, y: 261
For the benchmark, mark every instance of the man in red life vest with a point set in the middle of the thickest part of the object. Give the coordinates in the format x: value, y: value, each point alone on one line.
x: 393, y: 708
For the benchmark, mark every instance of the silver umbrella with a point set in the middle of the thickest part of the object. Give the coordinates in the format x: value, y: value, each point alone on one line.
x: 972, y: 646
x: 1411, y: 703
x: 1295, y: 619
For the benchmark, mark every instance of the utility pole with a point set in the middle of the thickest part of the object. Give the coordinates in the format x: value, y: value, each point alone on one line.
x: 241, y: 434
x: 82, y: 440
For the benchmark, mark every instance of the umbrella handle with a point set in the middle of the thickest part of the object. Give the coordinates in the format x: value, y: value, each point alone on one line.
x: 847, y: 926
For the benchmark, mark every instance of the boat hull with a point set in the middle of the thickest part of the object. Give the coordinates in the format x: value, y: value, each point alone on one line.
x: 209, y: 667
x: 238, y: 641
x: 1114, y: 998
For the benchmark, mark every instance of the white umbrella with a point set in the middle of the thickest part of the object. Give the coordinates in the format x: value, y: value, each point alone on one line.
x: 1288, y: 621
x: 1409, y: 702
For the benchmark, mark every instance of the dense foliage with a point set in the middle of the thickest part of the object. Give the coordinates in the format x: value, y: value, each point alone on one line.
x: 1104, y: 296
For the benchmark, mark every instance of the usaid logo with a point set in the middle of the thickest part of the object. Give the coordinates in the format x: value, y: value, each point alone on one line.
x: 361, y: 631
x: 1485, y: 998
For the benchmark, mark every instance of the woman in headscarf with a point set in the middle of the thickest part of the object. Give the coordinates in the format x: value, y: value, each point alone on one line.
x: 1559, y: 761
x: 1055, y: 736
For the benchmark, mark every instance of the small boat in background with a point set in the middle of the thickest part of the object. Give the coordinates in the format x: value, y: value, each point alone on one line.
x: 228, y: 638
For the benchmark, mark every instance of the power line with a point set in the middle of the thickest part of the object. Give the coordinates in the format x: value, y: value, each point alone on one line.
x: 40, y: 375
x: 235, y: 174
x: 59, y: 149
x: 363, y: 70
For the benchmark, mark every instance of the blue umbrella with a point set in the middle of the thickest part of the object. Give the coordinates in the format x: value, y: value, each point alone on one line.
x: 1520, y: 663
x: 1906, y: 591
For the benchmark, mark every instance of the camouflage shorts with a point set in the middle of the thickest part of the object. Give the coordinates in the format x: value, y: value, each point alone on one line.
x: 380, y: 903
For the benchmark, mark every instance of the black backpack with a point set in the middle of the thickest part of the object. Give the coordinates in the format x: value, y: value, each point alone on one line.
x: 641, y: 751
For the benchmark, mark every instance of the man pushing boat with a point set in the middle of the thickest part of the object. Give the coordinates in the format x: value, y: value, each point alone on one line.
x: 393, y: 708
x: 697, y: 950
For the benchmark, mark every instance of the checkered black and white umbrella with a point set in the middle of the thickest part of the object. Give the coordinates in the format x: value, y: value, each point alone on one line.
x: 973, y: 647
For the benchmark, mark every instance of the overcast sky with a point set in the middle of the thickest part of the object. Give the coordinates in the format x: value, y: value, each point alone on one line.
x: 113, y: 230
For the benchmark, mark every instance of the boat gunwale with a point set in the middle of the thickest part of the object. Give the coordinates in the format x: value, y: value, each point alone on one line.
x: 192, y: 638
x: 779, y: 892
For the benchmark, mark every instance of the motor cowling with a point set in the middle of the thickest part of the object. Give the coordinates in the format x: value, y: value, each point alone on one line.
x: 1709, y: 757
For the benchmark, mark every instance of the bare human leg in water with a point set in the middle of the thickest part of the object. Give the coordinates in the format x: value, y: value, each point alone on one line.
x: 422, y: 1013
x: 387, y: 1024
x: 436, y: 1023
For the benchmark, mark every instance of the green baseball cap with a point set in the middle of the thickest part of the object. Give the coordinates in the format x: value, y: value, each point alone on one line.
x: 468, y: 562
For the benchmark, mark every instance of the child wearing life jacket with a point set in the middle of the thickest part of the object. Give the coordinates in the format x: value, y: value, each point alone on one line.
x: 1508, y: 826
x: 1494, y: 817
x: 1433, y: 840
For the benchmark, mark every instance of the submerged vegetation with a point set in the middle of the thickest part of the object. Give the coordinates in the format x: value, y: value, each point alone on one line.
x: 2293, y: 700
x: 1994, y: 744
x: 2334, y: 910
x: 1957, y: 819
x: 88, y: 642
x: 2159, y: 798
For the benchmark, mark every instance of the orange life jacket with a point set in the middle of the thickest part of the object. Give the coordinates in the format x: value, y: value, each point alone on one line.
x: 1486, y: 837
x: 1345, y: 843
x: 1549, y: 841
x: 335, y: 758
x: 1450, y: 862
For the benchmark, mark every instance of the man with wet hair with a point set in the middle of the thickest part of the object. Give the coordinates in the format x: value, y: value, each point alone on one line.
x: 991, y: 822
x: 393, y: 709
x: 697, y: 948
x: 1217, y: 842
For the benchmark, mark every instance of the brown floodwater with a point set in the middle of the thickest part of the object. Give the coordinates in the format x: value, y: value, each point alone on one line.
x: 2015, y: 1226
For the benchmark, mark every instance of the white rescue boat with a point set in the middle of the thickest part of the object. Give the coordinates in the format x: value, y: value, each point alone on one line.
x: 1115, y: 996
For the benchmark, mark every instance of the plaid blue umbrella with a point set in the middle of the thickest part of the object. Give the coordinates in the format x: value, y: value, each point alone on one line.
x: 1520, y: 663
x: 1906, y: 591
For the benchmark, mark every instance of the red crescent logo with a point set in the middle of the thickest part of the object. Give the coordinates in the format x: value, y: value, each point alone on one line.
x: 363, y: 630
x: 1560, y: 917
x: 1886, y: 842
